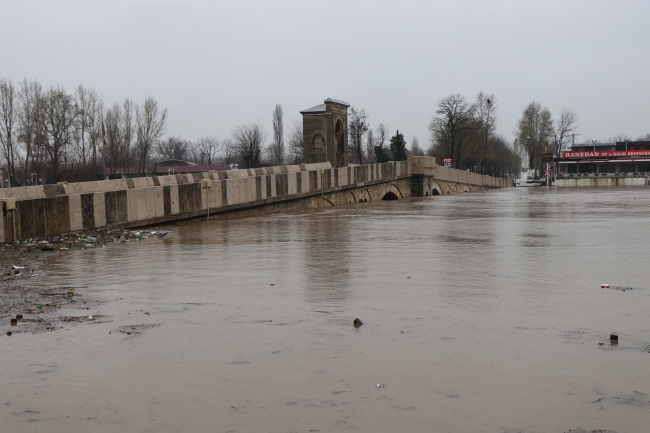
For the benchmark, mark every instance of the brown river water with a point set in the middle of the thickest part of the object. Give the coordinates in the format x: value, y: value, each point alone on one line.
x: 482, y: 312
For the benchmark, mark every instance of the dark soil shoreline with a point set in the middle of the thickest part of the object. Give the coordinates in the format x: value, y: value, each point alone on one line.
x: 37, y: 308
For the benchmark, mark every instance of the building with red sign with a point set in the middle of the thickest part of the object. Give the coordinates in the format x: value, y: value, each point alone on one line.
x: 624, y: 158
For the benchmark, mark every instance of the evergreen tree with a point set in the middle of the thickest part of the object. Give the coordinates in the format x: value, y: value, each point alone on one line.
x: 380, y: 155
x: 398, y: 147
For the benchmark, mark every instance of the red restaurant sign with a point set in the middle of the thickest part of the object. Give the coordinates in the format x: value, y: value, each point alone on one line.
x: 605, y: 154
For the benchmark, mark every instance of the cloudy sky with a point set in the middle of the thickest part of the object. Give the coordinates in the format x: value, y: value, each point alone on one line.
x: 216, y: 64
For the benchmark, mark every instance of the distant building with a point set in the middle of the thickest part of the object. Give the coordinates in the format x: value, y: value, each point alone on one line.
x: 163, y: 168
x: 182, y: 169
x: 619, y: 157
x: 174, y: 162
x: 325, y: 133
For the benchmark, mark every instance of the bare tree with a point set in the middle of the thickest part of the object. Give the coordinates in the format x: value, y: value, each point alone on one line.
x: 151, y: 124
x: 30, y: 129
x: 94, y: 116
x: 119, y: 134
x: 113, y: 128
x: 370, y: 147
x: 619, y: 138
x: 277, y: 148
x: 80, y: 132
x: 565, y: 125
x: 87, y: 129
x: 208, y: 148
x: 416, y: 150
x: 485, y: 118
x: 173, y: 148
x: 8, y: 114
x: 449, y: 127
x: 228, y: 154
x: 249, y: 141
x: 534, y: 130
x: 59, y: 112
x: 128, y: 135
x: 296, y: 143
x: 383, y: 134
x: 357, y: 128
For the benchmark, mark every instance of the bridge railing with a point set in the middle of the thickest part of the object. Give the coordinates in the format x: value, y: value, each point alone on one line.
x: 426, y: 166
x: 32, y: 212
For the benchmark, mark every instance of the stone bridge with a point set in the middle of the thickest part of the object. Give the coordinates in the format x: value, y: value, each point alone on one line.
x: 46, y: 210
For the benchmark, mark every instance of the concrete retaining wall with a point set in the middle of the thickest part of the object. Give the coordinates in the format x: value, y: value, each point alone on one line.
x: 603, y: 181
x: 53, y: 209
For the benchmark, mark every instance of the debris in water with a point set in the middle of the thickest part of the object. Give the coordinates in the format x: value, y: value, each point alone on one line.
x: 613, y: 337
x: 379, y: 385
x: 8, y: 333
x: 357, y: 323
x: 17, y: 267
x: 604, y: 286
x: 14, y: 322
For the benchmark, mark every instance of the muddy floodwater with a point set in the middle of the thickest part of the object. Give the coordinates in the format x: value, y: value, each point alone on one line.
x: 482, y: 312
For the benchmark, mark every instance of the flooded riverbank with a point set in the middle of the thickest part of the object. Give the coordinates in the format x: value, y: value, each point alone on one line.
x: 481, y: 312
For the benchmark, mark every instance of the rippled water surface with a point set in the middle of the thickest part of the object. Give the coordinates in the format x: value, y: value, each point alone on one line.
x: 482, y: 312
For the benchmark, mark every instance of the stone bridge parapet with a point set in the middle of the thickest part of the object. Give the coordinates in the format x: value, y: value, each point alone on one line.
x: 46, y: 210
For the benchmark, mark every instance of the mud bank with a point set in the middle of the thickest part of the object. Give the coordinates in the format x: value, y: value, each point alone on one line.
x: 38, y: 307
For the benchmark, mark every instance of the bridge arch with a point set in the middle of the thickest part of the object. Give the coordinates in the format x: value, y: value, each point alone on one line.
x: 466, y: 188
x: 323, y: 202
x: 364, y: 196
x: 352, y: 198
x: 392, y: 192
x: 435, y: 189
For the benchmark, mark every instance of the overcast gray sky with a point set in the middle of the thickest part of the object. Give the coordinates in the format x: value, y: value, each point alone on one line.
x: 216, y: 64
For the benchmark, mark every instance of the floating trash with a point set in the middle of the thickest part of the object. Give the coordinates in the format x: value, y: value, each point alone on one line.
x: 604, y: 286
x: 358, y: 323
x: 379, y: 385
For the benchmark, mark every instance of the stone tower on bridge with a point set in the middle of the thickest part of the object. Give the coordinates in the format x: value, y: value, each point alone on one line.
x: 325, y: 133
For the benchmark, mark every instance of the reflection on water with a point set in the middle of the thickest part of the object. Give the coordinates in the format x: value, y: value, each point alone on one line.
x: 326, y: 245
x: 481, y: 312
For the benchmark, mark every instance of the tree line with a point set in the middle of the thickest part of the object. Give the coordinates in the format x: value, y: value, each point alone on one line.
x: 49, y: 135
x: 465, y: 132
x: 537, y: 133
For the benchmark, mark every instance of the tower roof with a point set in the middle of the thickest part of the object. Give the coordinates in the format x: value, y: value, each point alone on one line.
x: 337, y: 101
x: 313, y: 110
x: 321, y: 108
